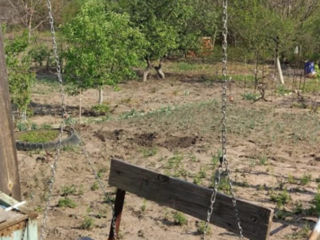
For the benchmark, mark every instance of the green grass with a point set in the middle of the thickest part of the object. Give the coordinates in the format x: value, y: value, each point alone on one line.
x: 186, y: 66
x: 149, y: 152
x: 311, y: 86
x: 281, y: 198
x: 66, y: 203
x: 38, y: 136
x: 87, y: 223
x: 101, y: 109
x: 250, y: 96
x: 306, y: 178
x: 179, y: 218
x: 68, y: 190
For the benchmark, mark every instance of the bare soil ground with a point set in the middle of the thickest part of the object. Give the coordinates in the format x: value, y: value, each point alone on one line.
x: 173, y: 126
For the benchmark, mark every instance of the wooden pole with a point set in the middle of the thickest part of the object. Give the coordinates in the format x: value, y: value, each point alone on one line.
x: 116, y: 219
x: 315, y: 235
x: 9, y: 175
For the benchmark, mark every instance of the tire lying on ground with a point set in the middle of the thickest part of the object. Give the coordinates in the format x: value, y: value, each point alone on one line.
x: 71, y: 139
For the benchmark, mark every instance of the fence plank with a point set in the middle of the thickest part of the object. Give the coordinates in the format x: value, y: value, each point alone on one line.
x: 191, y: 199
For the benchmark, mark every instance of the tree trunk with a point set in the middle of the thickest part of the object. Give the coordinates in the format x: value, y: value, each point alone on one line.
x: 256, y: 80
x: 277, y: 62
x: 147, y: 71
x: 9, y: 174
x: 30, y: 26
x: 280, y: 70
x: 100, y: 95
x: 80, y: 106
x: 159, y: 71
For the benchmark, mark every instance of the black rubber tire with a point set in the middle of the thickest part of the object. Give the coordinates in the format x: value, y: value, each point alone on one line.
x: 72, y: 139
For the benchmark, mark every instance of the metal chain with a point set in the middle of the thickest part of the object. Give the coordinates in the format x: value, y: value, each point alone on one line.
x: 224, y: 113
x: 85, y: 153
x: 62, y: 124
x: 213, y: 197
x: 223, y: 159
x: 25, y: 230
x: 101, y: 184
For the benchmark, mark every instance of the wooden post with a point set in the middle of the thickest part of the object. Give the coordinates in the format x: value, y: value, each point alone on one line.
x: 315, y: 235
x: 116, y: 219
x: 9, y: 175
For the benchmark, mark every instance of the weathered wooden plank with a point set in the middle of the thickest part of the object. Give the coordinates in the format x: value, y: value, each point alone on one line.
x: 4, y: 198
x: 9, y: 175
x: 191, y: 199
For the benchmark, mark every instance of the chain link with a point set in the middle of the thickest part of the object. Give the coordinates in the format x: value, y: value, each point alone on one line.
x: 223, y: 159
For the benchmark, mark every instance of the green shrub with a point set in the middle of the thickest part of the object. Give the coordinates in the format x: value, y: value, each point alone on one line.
x: 102, y: 109
x: 39, y: 54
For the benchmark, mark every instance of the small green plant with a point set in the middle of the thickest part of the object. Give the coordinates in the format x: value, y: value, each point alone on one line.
x: 179, y: 218
x: 282, y: 214
x: 101, y: 171
x: 263, y: 160
x: 174, y: 161
x: 102, y: 109
x: 94, y: 186
x: 282, y: 90
x: 315, y: 209
x: 306, y: 178
x: 87, y: 223
x: 292, y: 179
x: 108, y: 198
x: 199, y: 176
x: 281, y: 198
x: 201, y: 228
x: 143, y: 206
x: 215, y: 160
x: 149, y: 152
x: 66, y: 202
x: 68, y: 190
x: 34, y: 126
x: 303, y: 233
x: 250, y: 96
x: 22, y: 126
x: 45, y: 126
x: 298, y: 209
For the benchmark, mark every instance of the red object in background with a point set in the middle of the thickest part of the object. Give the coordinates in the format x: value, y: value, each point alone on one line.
x: 205, y: 50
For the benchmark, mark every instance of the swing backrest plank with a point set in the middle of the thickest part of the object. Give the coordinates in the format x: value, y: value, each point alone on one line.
x: 191, y: 199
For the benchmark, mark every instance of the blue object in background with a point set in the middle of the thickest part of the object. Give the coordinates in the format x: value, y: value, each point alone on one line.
x: 309, y: 68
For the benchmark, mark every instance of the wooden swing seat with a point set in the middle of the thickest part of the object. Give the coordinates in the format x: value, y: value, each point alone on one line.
x: 186, y: 197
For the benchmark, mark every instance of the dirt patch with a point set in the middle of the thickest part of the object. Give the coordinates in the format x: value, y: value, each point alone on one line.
x: 114, y: 135
x: 145, y: 139
x: 173, y: 142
